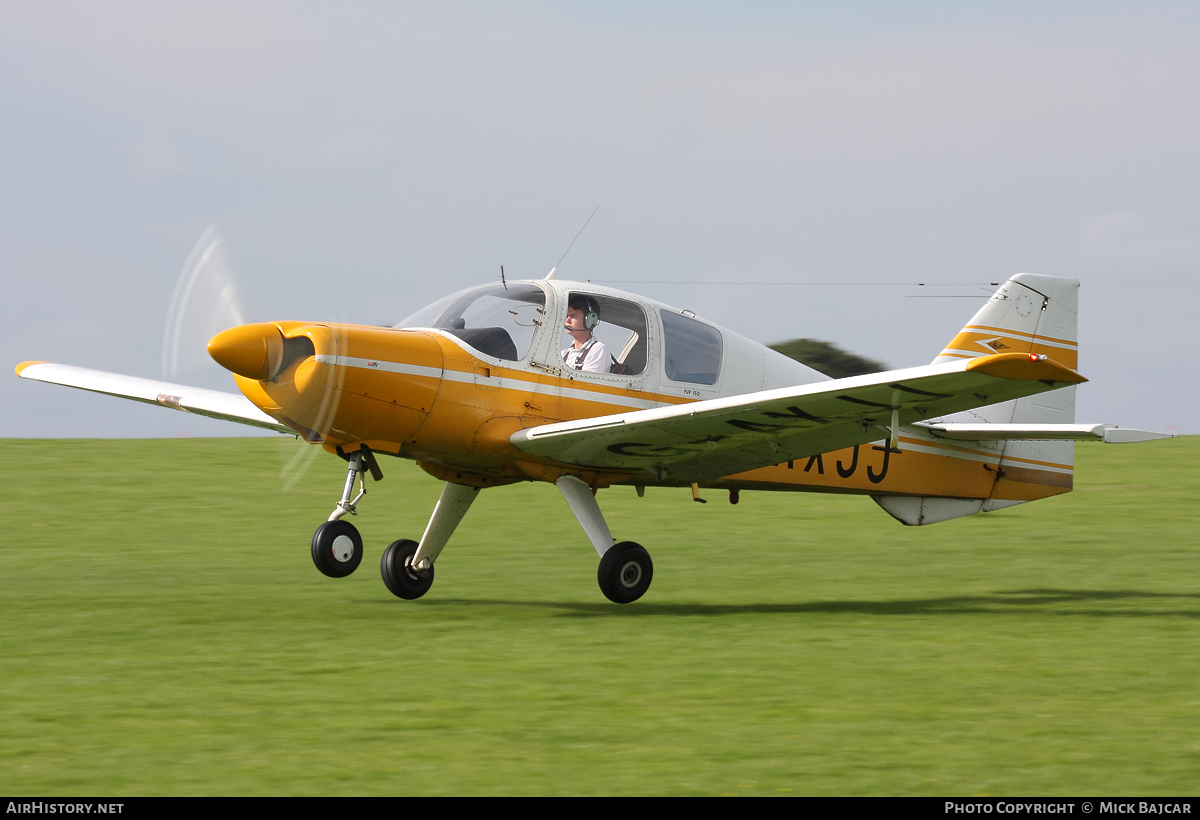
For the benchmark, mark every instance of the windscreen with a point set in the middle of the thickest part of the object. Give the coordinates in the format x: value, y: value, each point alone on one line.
x: 497, y: 321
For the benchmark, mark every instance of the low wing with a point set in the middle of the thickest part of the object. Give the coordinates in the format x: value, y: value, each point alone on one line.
x: 212, y: 403
x: 1107, y: 433
x: 709, y: 439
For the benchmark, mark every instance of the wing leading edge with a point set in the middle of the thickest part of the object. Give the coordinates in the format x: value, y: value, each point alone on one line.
x: 212, y: 403
x: 718, y: 437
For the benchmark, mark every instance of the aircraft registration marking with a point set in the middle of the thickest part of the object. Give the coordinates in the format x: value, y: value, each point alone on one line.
x: 848, y: 472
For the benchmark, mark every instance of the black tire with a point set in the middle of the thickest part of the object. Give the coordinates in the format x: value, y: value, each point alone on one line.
x: 337, y: 548
x: 398, y: 575
x: 625, y: 572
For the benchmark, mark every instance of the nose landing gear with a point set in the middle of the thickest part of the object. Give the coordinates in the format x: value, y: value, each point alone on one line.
x: 337, y: 548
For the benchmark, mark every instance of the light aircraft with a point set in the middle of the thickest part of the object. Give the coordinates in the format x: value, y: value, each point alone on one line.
x: 476, y: 390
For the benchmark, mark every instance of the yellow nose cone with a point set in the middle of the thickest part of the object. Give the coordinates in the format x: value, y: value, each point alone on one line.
x: 254, y: 351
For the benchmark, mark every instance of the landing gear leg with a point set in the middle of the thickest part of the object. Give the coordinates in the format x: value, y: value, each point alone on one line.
x: 357, y: 468
x: 336, y: 546
x: 407, y: 567
x: 581, y: 501
x: 625, y: 569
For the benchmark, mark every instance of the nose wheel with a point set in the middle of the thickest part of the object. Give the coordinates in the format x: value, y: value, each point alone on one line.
x: 337, y: 548
x: 398, y: 574
x: 625, y: 572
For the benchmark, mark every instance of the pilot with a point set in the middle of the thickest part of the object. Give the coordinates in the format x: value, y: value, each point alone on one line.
x: 588, y: 353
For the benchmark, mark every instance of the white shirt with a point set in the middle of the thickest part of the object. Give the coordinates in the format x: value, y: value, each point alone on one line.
x: 592, y: 357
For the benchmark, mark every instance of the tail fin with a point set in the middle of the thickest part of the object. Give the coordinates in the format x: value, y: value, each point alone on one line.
x: 1029, y: 314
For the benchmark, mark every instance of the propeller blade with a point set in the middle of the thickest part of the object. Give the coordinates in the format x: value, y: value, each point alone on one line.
x: 207, y: 299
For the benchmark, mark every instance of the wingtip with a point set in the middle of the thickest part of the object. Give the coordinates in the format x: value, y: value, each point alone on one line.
x: 21, y: 367
x: 1025, y: 367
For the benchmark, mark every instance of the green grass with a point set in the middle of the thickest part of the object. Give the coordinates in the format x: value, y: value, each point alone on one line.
x: 165, y: 632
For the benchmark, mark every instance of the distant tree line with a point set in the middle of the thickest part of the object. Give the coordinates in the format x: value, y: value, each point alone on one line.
x: 828, y: 358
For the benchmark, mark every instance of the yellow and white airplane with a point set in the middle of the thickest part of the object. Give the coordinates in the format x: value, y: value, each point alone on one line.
x: 478, y: 390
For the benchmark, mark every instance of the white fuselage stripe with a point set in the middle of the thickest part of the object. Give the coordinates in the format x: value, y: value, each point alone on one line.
x: 520, y: 385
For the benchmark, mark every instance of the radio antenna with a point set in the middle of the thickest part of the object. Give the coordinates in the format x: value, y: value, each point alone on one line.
x: 502, y: 278
x: 550, y: 275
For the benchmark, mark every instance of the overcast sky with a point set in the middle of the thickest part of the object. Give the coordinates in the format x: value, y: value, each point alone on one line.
x: 363, y: 159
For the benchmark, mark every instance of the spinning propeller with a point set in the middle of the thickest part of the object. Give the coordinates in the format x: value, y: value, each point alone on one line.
x: 209, y: 333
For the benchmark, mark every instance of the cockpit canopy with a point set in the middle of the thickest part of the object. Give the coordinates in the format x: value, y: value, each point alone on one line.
x: 496, y: 320
x: 502, y: 320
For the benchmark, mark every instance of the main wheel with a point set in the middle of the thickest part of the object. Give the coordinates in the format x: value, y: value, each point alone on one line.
x: 337, y: 548
x: 398, y: 575
x: 625, y: 572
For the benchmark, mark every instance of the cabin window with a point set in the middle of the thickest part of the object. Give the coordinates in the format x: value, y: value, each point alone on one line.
x: 496, y: 321
x: 693, y: 349
x: 622, y: 329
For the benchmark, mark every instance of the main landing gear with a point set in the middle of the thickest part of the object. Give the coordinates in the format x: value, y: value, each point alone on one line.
x: 625, y: 572
x: 399, y: 576
x: 625, y: 569
x: 406, y: 566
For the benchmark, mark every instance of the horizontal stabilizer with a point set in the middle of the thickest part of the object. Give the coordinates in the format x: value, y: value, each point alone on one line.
x: 1108, y: 433
x: 213, y: 403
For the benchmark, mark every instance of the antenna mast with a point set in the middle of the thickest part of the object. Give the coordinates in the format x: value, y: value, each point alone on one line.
x: 550, y: 275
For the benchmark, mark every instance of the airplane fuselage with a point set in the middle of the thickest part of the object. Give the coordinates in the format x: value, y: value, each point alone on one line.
x: 430, y: 395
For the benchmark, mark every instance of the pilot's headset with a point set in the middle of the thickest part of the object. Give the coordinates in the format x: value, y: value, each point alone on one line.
x: 591, y: 311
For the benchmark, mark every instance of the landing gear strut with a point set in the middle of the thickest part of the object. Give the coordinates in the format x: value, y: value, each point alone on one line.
x: 625, y: 569
x: 360, y: 462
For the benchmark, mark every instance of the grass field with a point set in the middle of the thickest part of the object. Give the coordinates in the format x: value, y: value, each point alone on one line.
x: 165, y: 632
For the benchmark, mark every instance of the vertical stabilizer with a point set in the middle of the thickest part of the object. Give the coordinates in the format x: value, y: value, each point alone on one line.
x: 1029, y: 314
